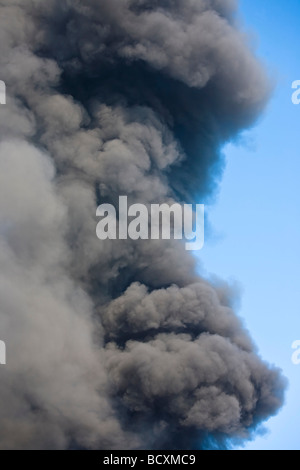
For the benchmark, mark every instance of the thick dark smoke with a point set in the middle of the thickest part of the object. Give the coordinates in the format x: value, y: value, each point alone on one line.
x: 119, y: 344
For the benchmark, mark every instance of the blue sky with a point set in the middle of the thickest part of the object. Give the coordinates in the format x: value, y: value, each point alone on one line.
x: 256, y: 217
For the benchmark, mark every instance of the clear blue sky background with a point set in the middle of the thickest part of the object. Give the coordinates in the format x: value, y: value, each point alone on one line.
x: 256, y: 218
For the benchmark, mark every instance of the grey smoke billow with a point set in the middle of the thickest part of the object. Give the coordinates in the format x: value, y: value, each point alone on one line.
x: 120, y: 344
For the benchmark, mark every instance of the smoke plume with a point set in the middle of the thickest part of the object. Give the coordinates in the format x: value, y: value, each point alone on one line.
x: 120, y: 343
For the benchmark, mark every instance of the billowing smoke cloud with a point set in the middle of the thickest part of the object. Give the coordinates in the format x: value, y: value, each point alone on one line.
x: 119, y: 344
